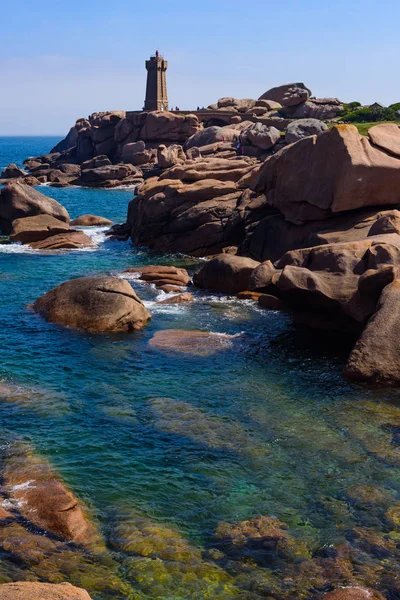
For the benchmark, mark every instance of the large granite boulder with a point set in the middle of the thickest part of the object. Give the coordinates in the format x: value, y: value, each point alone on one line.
x: 189, y: 207
x: 94, y: 304
x: 19, y: 201
x: 290, y: 94
x: 314, y: 108
x: 338, y: 170
x: 33, y: 590
x: 261, y: 136
x: 71, y: 138
x: 211, y: 135
x: 272, y: 236
x: 164, y: 125
x: 297, y: 130
x: 12, y: 172
x: 241, y: 105
x: 168, y: 157
x: 225, y: 273
x: 342, y: 279
x: 376, y: 355
x: 34, y: 229
x: 102, y: 175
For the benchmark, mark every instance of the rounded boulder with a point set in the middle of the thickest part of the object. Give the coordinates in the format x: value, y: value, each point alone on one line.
x: 95, y: 304
x: 226, y: 273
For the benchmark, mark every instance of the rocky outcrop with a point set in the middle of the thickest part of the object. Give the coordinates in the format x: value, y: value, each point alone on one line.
x: 291, y: 94
x: 35, y: 229
x: 376, y: 355
x: 178, y: 299
x: 189, y: 207
x: 18, y: 201
x: 32, y: 590
x: 12, y: 172
x: 344, y: 280
x: 91, y: 221
x: 336, y: 171
x: 168, y: 157
x: 94, y: 304
x: 225, y: 273
x: 167, y: 126
x: 108, y: 175
x: 272, y: 236
x: 314, y: 108
x: 297, y: 130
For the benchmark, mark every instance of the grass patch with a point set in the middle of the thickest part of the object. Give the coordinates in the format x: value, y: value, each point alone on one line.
x: 363, y: 128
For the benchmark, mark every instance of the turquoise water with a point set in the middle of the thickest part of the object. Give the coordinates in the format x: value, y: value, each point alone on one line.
x: 267, y: 427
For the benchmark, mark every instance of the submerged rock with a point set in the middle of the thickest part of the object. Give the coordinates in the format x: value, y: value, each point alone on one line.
x: 18, y: 201
x: 353, y: 593
x: 95, y: 304
x: 197, y: 343
x: 33, y: 488
x: 30, y: 590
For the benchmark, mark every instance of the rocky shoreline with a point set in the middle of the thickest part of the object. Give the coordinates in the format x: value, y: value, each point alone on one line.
x: 305, y: 223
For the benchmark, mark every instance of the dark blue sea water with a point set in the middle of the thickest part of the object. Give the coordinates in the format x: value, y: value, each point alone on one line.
x: 267, y: 427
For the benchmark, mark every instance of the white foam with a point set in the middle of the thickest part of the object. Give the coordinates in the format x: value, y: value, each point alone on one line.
x: 23, y: 486
x: 17, y: 248
x: 96, y: 234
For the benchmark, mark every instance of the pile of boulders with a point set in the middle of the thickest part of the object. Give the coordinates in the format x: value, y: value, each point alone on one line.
x: 115, y: 148
x: 32, y: 218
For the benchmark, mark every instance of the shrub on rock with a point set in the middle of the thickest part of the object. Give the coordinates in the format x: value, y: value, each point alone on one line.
x: 94, y: 304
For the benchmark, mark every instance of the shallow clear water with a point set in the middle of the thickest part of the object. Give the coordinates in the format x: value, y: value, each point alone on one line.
x: 266, y: 427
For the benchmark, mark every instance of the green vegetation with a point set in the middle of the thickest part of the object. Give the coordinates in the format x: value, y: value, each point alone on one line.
x: 369, y: 115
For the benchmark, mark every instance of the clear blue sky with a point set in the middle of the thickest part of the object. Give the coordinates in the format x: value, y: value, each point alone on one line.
x: 65, y: 59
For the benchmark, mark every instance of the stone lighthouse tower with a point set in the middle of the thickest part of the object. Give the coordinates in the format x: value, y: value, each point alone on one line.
x: 156, y: 88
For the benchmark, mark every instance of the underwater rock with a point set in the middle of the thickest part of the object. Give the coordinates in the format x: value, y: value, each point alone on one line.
x: 369, y: 495
x: 31, y: 485
x: 262, y: 531
x: 29, y: 590
x: 197, y: 343
x: 142, y: 536
x: 353, y: 593
x: 90, y: 221
x: 94, y: 304
x: 204, y: 428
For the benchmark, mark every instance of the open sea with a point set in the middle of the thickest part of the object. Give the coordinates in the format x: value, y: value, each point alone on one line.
x: 162, y: 447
